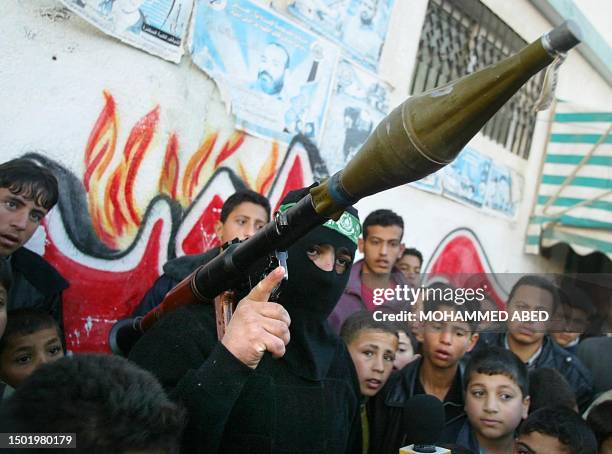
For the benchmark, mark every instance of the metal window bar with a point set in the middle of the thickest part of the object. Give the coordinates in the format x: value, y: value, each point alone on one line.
x: 463, y: 36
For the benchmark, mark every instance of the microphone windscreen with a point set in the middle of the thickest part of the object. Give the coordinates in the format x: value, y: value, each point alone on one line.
x: 423, y: 419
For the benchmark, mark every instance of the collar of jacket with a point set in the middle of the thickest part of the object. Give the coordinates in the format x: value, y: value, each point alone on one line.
x: 38, y: 272
x: 405, y: 386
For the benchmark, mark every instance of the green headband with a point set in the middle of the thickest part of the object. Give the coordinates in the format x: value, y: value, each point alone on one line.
x: 348, y: 224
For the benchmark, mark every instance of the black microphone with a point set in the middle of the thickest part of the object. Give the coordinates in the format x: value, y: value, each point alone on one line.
x: 423, y: 421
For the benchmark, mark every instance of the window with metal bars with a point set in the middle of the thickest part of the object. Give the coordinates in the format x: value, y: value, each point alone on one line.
x: 463, y: 36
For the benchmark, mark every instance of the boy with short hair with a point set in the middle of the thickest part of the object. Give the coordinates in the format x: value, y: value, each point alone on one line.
x: 372, y: 346
x: 32, y: 338
x: 496, y: 400
x: 600, y: 421
x: 381, y: 246
x: 556, y: 430
x: 438, y: 372
x: 410, y: 264
x: 547, y: 385
x: 529, y: 339
x: 577, y: 311
x: 28, y: 192
x: 108, y: 403
x: 242, y: 215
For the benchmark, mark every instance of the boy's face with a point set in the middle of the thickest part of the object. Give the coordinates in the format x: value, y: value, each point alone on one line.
x: 381, y: 248
x: 445, y: 343
x: 538, y: 443
x: 494, y: 405
x: 405, y: 352
x: 529, y: 298
x: 22, y: 355
x: 410, y: 265
x: 3, y: 304
x: 576, y: 322
x: 242, y: 223
x: 327, y: 258
x: 373, y: 353
x: 19, y: 219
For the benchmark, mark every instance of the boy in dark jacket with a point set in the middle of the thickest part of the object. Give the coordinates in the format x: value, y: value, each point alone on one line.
x: 438, y: 372
x: 243, y: 214
x: 531, y: 343
x: 27, y: 193
x: 302, y: 398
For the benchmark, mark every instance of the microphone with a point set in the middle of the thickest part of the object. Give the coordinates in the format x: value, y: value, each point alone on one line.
x: 423, y: 420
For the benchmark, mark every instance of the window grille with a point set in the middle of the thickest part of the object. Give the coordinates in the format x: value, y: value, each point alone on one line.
x: 463, y: 36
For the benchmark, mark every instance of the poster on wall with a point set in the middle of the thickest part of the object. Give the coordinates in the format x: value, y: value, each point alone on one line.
x: 503, y: 191
x: 276, y: 76
x: 156, y: 26
x: 359, y: 102
x: 430, y: 183
x: 465, y: 179
x: 359, y: 26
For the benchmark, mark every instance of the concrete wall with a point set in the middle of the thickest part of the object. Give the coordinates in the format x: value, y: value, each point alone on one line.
x: 146, y: 153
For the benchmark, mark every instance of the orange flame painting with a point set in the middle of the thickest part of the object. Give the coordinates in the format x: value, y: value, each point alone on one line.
x: 168, y: 180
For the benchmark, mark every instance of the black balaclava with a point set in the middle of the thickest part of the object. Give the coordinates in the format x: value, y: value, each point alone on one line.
x: 311, y: 293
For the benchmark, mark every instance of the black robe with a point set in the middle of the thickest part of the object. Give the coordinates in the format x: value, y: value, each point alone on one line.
x: 234, y: 409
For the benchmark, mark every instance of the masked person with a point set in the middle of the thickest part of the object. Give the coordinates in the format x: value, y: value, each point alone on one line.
x: 304, y: 396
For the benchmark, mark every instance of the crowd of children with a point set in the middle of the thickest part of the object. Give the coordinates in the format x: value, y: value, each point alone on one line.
x: 518, y: 391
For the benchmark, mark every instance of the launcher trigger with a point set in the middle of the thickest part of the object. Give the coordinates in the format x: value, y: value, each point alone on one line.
x: 279, y: 259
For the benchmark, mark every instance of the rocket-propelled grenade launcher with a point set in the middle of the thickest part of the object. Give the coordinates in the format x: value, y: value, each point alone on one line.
x: 419, y: 137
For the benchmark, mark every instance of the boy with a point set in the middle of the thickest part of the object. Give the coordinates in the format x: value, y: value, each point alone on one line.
x: 27, y: 193
x: 437, y: 372
x: 577, y: 311
x: 242, y: 215
x: 410, y: 263
x: 381, y: 247
x: 529, y: 339
x: 31, y: 339
x: 556, y: 430
x: 496, y: 400
x: 548, y: 385
x: 372, y: 346
x: 106, y: 402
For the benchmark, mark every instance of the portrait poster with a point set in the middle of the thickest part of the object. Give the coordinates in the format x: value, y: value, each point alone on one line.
x: 155, y: 26
x: 465, y: 179
x: 359, y: 26
x: 504, y: 189
x: 359, y: 102
x: 276, y: 76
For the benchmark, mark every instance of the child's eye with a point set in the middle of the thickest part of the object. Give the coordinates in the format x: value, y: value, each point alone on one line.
x: 368, y: 353
x: 506, y: 396
x: 389, y: 358
x: 55, y: 350
x: 477, y: 393
x: 23, y: 359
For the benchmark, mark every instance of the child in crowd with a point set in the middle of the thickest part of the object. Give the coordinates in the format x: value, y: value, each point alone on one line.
x: 496, y: 400
x: 528, y: 338
x: 31, y: 338
x: 547, y: 385
x: 372, y: 346
x: 407, y: 348
x: 106, y: 402
x: 557, y: 430
x: 600, y: 421
x: 437, y: 372
x: 577, y: 310
x: 410, y: 263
